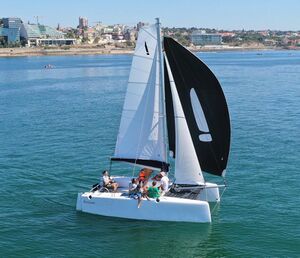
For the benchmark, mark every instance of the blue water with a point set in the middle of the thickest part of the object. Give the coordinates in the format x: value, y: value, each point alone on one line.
x: 58, y: 128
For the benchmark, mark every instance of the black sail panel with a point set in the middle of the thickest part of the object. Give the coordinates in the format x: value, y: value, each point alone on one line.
x: 196, y: 83
x: 169, y: 112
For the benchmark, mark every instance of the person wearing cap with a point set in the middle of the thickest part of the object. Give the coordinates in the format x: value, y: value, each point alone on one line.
x: 164, y: 183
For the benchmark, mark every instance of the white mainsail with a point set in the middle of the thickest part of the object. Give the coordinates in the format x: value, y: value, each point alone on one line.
x: 187, y: 167
x: 141, y: 133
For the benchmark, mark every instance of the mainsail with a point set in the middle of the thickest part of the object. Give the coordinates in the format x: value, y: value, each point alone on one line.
x: 141, y: 139
x: 204, y: 107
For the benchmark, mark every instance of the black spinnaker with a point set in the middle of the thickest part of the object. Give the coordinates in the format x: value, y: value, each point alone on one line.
x: 193, y: 78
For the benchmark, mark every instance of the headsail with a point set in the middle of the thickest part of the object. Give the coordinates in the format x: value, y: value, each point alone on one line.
x: 141, y: 136
x: 204, y: 107
x: 187, y: 167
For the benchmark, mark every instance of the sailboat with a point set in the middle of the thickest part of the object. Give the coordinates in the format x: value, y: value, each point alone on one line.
x: 174, y: 109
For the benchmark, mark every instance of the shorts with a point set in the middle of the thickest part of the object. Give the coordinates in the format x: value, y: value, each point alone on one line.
x: 136, y: 195
x: 109, y: 186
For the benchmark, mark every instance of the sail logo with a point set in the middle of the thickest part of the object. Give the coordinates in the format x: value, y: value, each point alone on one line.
x: 146, y: 48
x: 200, y: 117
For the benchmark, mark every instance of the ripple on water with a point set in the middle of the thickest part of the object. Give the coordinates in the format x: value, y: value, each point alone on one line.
x: 58, y: 129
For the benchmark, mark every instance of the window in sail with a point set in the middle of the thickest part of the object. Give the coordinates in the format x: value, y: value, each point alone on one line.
x: 146, y: 48
x: 205, y: 136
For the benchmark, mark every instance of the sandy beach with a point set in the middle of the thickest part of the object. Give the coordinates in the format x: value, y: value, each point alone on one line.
x: 38, y: 51
x: 94, y: 50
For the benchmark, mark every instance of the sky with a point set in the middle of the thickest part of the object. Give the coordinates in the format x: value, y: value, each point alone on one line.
x: 218, y: 14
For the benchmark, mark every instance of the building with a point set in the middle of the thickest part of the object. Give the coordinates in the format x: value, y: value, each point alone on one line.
x: 10, y: 30
x: 130, y: 35
x: 83, y: 23
x: 89, y: 34
x: 12, y: 23
x: 202, y: 38
x: 42, y: 35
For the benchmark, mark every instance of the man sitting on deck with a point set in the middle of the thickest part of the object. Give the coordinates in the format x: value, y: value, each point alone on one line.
x: 164, y: 183
x: 136, y: 190
x: 153, y: 191
x: 108, y: 182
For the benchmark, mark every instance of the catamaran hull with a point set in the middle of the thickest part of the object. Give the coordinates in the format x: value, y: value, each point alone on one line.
x: 168, y: 209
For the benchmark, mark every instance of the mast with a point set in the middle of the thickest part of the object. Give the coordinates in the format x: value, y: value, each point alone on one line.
x: 162, y: 88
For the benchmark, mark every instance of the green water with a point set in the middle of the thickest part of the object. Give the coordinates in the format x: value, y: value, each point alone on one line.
x: 58, y: 128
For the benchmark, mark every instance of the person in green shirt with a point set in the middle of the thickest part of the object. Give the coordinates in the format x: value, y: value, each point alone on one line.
x: 153, y: 191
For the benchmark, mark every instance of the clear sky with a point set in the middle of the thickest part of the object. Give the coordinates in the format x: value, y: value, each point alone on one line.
x: 219, y: 14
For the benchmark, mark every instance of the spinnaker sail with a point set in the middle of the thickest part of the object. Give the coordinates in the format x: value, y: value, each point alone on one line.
x: 204, y: 107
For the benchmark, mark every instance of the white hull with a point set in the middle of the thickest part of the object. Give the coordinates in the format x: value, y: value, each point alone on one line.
x: 168, y: 209
x: 210, y: 193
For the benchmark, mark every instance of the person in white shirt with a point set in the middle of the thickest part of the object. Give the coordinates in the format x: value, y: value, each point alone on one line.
x: 108, y: 182
x: 164, y: 183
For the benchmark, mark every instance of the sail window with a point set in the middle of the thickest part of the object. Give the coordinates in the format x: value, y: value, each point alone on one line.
x: 205, y: 137
x: 198, y: 112
x: 200, y: 117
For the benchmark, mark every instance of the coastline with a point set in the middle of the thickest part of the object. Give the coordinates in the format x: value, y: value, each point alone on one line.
x: 63, y: 51
x: 92, y: 50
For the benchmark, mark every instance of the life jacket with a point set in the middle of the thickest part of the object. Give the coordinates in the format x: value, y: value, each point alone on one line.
x: 142, y: 175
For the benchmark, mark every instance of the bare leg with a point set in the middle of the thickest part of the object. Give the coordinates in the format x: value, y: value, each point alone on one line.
x: 115, y: 186
x: 139, y: 202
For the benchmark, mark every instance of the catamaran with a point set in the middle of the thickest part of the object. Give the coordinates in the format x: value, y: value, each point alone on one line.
x: 174, y: 108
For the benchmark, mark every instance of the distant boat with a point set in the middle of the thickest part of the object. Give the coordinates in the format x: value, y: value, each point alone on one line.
x: 174, y: 104
x: 49, y: 66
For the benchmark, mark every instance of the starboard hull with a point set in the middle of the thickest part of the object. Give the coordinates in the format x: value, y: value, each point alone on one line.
x: 168, y: 209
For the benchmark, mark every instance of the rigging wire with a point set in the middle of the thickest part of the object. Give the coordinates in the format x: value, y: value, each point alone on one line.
x: 218, y: 203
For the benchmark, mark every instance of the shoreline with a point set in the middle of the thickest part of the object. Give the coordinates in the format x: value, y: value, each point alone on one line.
x: 88, y: 50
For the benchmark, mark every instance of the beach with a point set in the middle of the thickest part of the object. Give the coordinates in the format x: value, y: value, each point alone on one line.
x: 61, y: 51
x: 96, y: 50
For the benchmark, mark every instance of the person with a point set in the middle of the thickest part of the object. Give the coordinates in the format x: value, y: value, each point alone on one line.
x: 132, y: 187
x: 144, y: 175
x: 157, y: 177
x: 164, y: 183
x: 108, y: 182
x: 136, y: 191
x: 153, y: 191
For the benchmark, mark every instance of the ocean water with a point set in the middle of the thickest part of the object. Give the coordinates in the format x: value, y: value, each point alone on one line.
x: 58, y: 129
